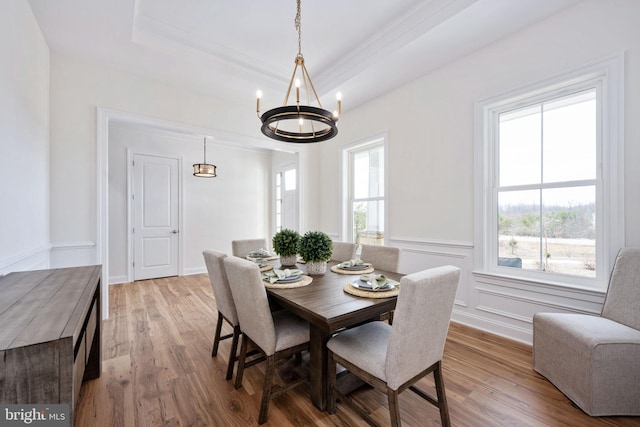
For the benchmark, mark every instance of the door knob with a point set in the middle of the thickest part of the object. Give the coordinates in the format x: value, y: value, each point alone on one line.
x: 174, y: 232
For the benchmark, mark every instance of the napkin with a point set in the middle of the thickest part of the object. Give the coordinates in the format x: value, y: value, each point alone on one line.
x: 376, y: 280
x: 275, y: 274
x: 352, y: 263
x: 260, y: 253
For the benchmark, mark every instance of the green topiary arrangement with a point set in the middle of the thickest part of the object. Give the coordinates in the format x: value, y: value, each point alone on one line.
x: 315, y: 246
x: 285, y: 242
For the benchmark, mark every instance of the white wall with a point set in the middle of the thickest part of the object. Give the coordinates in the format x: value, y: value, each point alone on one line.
x: 431, y: 129
x: 233, y: 205
x: 24, y: 141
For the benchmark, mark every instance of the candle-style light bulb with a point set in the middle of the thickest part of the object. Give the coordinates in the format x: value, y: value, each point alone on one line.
x: 258, y: 96
x: 339, y: 98
x: 300, y: 121
x: 298, y: 91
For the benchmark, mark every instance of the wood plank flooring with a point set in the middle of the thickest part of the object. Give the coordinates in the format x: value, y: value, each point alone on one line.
x: 157, y: 370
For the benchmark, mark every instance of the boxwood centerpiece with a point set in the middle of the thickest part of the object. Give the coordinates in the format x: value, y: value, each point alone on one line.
x: 315, y: 248
x: 285, y: 243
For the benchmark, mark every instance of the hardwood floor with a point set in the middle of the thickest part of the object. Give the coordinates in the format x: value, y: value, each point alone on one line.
x: 157, y: 370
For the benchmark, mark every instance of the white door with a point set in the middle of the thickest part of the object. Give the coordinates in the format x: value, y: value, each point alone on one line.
x: 155, y: 225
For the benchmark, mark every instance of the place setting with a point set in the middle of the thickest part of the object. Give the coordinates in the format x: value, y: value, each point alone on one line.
x: 285, y: 278
x: 354, y: 266
x: 372, y: 286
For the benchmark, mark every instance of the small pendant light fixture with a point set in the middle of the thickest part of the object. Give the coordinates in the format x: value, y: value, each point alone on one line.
x: 299, y: 122
x: 204, y: 169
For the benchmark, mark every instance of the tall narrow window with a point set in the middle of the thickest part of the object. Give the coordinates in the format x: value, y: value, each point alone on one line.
x: 366, y: 193
x: 548, y: 188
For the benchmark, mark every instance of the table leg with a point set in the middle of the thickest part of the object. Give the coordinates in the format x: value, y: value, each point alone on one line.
x: 318, y: 361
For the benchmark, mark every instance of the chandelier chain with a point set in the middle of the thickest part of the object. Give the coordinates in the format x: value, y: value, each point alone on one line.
x: 298, y: 24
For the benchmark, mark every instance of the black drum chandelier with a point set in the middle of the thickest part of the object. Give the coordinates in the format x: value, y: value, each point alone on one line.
x: 299, y: 122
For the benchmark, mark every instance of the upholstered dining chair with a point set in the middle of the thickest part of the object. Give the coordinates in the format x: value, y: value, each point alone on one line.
x: 385, y: 258
x: 277, y: 335
x: 595, y: 360
x: 224, y: 302
x: 343, y: 251
x: 393, y: 358
x: 382, y: 257
x: 242, y: 248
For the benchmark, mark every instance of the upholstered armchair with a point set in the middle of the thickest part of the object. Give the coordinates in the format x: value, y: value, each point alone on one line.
x: 595, y: 360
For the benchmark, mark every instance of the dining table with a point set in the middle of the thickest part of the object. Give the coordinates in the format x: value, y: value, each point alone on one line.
x: 328, y: 309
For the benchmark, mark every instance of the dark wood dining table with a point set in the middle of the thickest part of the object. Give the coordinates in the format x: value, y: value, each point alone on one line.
x: 328, y: 308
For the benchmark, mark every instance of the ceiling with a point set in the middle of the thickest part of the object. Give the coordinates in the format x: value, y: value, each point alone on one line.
x: 361, y: 48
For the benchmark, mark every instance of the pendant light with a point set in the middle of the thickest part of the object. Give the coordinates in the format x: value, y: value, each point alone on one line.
x: 204, y: 169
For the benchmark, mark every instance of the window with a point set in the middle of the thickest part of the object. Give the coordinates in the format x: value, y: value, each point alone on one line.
x: 549, y: 198
x: 286, y: 200
x: 365, y: 205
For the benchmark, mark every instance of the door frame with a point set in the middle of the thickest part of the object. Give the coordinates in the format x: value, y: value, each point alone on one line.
x: 131, y: 209
x: 106, y: 115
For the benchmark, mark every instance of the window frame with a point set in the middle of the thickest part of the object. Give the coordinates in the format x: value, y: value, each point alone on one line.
x: 607, y: 77
x: 347, y: 183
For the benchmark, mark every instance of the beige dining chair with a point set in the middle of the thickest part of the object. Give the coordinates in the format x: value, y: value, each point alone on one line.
x: 394, y: 358
x: 385, y: 258
x: 277, y: 335
x: 343, y: 251
x: 225, y: 305
x: 242, y: 248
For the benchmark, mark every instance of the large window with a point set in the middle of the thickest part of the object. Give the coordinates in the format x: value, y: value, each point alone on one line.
x: 549, y: 191
x: 365, y: 212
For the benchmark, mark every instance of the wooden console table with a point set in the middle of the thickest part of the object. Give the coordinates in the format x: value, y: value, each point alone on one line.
x: 49, y: 334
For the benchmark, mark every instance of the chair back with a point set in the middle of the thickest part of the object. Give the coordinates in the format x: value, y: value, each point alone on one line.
x: 343, y: 251
x: 220, y: 285
x: 420, y: 323
x: 250, y: 298
x: 622, y: 303
x: 385, y: 258
x: 242, y: 248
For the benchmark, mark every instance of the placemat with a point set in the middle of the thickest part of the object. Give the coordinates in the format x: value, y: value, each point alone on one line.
x: 266, y: 268
x: 370, y: 294
x: 339, y: 270
x: 304, y: 281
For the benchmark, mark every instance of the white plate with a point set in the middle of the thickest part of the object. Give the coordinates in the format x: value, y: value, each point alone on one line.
x: 289, y: 279
x: 356, y: 267
x: 361, y: 284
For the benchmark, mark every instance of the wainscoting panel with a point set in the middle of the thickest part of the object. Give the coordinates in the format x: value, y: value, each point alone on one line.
x: 73, y: 254
x: 501, y: 305
x: 34, y: 259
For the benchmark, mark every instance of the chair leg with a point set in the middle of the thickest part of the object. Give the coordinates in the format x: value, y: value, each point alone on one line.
x: 241, y: 360
x: 216, y: 338
x: 442, y: 399
x: 394, y: 409
x: 266, y: 389
x: 233, y: 355
x: 331, y: 372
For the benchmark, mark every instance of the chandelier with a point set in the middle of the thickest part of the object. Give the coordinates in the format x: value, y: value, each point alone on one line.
x: 204, y: 169
x: 300, y: 122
